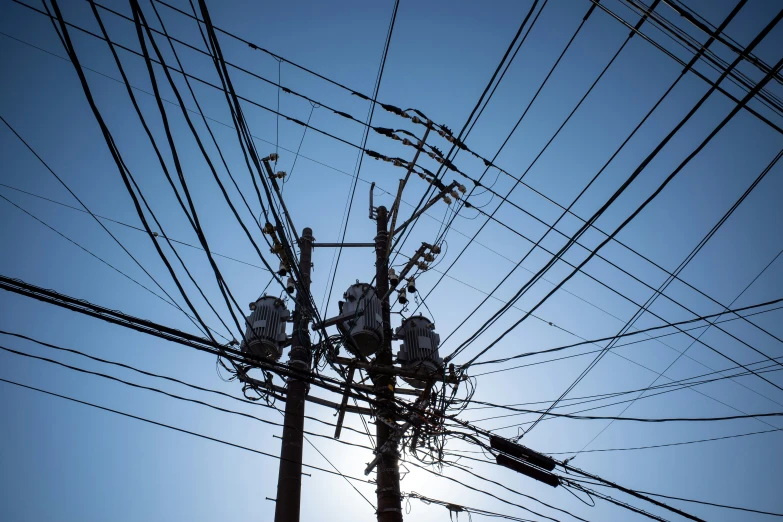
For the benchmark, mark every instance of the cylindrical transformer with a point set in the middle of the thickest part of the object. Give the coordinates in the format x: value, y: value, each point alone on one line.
x: 366, y: 322
x: 419, y: 348
x: 265, y: 335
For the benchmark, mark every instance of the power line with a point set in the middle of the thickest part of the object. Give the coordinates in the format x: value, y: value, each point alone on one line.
x: 202, y: 403
x: 691, y: 44
x: 681, y: 62
x: 631, y: 334
x: 451, y: 227
x: 675, y: 385
x: 465, y: 128
x: 679, y: 269
x: 164, y: 377
x: 633, y: 176
x: 114, y: 151
x: 505, y: 197
x: 665, y: 445
x: 192, y: 341
x: 458, y: 508
x: 688, y: 386
x: 711, y: 323
x: 360, y: 158
x: 203, y: 326
x: 568, y: 209
x: 591, y: 221
x: 724, y: 506
x: 451, y: 277
x: 127, y: 225
x: 618, y: 346
x: 174, y: 428
x: 47, y: 225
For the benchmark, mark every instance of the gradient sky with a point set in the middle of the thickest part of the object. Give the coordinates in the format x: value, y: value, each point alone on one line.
x: 65, y: 461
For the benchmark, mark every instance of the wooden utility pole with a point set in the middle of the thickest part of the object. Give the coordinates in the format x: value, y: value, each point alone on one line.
x: 289, y: 479
x: 388, y: 473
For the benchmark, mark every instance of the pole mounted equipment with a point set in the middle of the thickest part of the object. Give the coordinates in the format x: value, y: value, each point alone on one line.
x: 419, y: 349
x: 265, y: 335
x: 522, y: 452
x: 364, y: 322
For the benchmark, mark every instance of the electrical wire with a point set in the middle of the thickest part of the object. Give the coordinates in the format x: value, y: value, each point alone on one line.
x: 618, y: 346
x: 201, y: 403
x: 467, y: 127
x: 679, y: 269
x: 126, y: 225
x: 202, y: 326
x: 50, y: 227
x: 633, y: 176
x: 174, y: 428
x: 479, y: 243
x: 631, y: 334
x: 360, y: 158
x: 641, y: 394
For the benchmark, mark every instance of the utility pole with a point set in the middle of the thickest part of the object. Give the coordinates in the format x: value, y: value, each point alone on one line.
x: 289, y: 479
x: 388, y: 473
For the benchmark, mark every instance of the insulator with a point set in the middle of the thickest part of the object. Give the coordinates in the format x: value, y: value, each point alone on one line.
x: 281, y: 174
x: 435, y: 249
x: 155, y: 234
x: 265, y: 335
x: 366, y: 323
x: 289, y: 285
x: 422, y: 266
x: 526, y: 469
x: 268, y: 229
x: 283, y: 270
x: 462, y: 189
x: 273, y: 157
x: 446, y: 199
x: 406, y: 141
x: 397, y: 163
x: 402, y: 297
x: 411, y: 285
x: 415, y: 119
x: 429, y: 257
x: 521, y: 452
x: 454, y: 194
x: 394, y: 279
x: 419, y: 350
x: 277, y: 248
x: 450, y: 138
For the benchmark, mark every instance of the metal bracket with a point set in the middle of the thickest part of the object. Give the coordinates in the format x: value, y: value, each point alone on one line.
x: 344, y: 403
x: 372, y: 208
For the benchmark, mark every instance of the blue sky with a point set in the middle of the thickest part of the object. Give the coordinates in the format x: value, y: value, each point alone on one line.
x: 64, y: 461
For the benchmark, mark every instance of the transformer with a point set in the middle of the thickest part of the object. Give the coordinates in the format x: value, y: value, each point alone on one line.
x: 419, y: 349
x: 265, y: 335
x: 366, y: 325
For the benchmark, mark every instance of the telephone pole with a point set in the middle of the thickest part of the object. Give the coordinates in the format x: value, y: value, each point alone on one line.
x: 388, y: 473
x: 289, y: 479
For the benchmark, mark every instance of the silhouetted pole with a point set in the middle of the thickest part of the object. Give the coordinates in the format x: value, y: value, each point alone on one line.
x: 289, y: 479
x: 388, y: 473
